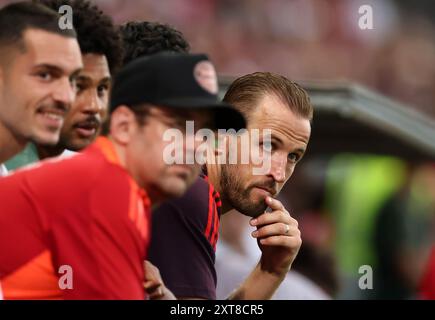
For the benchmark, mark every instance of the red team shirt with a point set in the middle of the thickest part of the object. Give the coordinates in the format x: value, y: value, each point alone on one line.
x: 85, y: 212
x: 427, y: 285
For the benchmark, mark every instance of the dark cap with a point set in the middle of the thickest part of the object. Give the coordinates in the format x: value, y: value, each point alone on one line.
x: 176, y: 80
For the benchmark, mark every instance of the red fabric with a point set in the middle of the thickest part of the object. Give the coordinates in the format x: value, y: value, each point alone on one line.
x: 85, y: 211
x: 428, y: 281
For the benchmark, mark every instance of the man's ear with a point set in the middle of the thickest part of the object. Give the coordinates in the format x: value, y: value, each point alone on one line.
x: 122, y: 124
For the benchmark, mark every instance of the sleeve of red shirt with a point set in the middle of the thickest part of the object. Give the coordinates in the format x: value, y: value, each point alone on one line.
x: 22, y: 228
x: 82, y: 207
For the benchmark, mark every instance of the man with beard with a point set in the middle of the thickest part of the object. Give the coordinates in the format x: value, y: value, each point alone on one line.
x: 101, y: 48
x: 268, y: 101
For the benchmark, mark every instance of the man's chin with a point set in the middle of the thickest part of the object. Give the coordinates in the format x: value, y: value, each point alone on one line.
x: 78, y: 145
x: 252, y: 209
x: 175, y: 190
x: 176, y: 193
x: 45, y: 138
x: 160, y: 194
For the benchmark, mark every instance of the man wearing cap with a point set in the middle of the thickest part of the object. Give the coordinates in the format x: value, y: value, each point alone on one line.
x: 85, y: 236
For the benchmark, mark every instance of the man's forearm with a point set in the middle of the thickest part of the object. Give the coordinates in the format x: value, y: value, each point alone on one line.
x: 259, y: 285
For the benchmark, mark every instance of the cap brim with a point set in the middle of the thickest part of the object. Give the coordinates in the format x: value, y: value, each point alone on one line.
x: 225, y: 116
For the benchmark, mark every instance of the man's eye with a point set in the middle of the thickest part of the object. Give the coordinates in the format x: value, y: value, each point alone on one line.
x: 46, y: 76
x: 102, y: 89
x: 79, y: 87
x: 293, y: 157
x: 268, y: 146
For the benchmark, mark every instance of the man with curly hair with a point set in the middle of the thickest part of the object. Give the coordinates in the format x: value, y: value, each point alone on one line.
x: 143, y: 38
x: 101, y: 48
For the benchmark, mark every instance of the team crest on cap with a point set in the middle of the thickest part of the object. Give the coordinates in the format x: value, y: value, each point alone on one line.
x: 205, y: 74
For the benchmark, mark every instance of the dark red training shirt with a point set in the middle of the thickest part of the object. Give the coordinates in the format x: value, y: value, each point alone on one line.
x: 184, y: 236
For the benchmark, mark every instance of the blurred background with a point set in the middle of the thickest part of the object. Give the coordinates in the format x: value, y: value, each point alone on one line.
x: 365, y: 193
x: 307, y: 39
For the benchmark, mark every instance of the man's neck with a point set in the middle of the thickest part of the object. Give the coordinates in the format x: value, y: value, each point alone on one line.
x: 233, y: 237
x: 214, y: 177
x: 213, y: 174
x: 49, y: 151
x: 10, y: 145
x: 120, y: 151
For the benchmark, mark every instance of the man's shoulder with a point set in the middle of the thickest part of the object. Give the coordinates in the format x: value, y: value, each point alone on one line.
x: 193, y: 221
x: 200, y: 188
x: 80, y: 169
x: 61, y: 166
x: 196, y: 212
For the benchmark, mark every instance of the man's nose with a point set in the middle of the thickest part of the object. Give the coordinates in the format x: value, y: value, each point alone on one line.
x: 64, y: 92
x: 92, y: 103
x: 278, y: 167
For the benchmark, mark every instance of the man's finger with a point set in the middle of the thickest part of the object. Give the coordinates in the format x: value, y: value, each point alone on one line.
x: 274, y: 204
x: 277, y: 229
x: 151, y: 272
x: 290, y: 242
x: 151, y: 285
x: 273, y: 217
x: 156, y: 295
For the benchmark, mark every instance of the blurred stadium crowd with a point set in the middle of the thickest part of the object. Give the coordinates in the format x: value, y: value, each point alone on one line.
x: 307, y: 39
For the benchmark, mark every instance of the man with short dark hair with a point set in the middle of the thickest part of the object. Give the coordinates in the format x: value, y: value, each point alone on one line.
x: 95, y: 221
x: 101, y: 48
x: 39, y: 64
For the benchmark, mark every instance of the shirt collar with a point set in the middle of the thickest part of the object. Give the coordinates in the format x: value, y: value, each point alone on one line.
x: 108, y: 150
x: 3, y: 170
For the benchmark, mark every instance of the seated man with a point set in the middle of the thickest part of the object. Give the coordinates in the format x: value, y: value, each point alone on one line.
x: 78, y: 228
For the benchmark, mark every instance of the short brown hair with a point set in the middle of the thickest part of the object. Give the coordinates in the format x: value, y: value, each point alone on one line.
x: 245, y: 92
